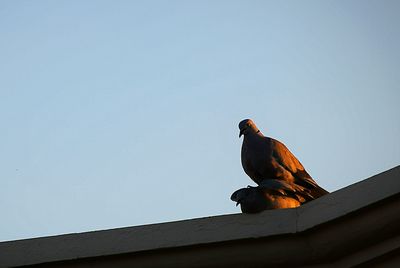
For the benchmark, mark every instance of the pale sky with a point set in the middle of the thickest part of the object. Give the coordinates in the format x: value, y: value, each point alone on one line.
x: 123, y: 113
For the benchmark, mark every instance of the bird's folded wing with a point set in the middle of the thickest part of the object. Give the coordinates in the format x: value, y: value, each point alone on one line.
x: 286, y: 188
x: 288, y: 161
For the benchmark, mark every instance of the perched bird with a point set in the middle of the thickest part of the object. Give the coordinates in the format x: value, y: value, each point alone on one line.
x: 264, y: 158
x: 272, y: 195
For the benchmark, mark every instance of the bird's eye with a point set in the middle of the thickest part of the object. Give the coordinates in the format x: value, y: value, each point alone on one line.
x: 248, y: 124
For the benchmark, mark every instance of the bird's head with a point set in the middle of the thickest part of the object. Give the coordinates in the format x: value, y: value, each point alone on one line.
x: 240, y: 195
x: 247, y: 126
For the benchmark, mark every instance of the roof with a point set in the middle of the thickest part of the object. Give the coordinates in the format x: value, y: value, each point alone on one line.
x: 354, y: 225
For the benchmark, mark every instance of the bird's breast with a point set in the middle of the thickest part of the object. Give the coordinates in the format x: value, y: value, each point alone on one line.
x: 256, y: 160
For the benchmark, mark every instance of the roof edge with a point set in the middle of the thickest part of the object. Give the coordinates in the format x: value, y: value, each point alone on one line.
x: 207, y: 230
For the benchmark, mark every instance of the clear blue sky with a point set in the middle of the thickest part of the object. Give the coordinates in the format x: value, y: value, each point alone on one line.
x: 122, y: 113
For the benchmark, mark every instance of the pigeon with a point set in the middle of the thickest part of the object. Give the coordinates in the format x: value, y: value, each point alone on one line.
x: 271, y: 194
x: 264, y: 158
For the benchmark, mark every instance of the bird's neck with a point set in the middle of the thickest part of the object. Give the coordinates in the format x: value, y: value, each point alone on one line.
x: 254, y: 135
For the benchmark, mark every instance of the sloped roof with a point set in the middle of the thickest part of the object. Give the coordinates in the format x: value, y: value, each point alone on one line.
x: 358, y: 224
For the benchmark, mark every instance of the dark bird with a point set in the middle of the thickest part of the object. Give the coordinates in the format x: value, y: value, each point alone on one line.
x: 264, y: 158
x: 270, y: 194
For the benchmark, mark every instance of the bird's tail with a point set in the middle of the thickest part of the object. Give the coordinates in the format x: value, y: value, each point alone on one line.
x: 318, y: 192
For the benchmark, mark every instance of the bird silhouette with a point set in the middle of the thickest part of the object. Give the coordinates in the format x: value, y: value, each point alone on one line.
x: 282, y: 179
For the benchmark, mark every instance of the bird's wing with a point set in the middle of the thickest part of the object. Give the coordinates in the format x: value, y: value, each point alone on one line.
x: 275, y: 184
x: 286, y: 188
x: 289, y: 162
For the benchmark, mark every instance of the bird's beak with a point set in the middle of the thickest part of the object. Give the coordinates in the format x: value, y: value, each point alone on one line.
x: 237, y: 203
x: 241, y: 133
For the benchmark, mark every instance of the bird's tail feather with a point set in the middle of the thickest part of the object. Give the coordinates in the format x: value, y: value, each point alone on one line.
x: 318, y: 192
